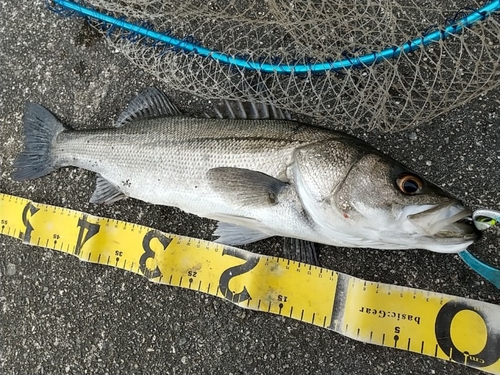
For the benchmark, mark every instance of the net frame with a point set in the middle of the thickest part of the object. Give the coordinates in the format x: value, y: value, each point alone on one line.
x: 460, y: 62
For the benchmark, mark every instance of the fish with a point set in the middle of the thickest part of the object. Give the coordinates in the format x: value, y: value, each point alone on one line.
x: 256, y: 172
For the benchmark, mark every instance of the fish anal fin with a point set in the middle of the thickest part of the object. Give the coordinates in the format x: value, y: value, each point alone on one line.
x: 301, y: 251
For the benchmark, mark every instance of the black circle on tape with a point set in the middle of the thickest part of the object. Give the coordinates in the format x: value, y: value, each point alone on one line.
x: 491, y: 351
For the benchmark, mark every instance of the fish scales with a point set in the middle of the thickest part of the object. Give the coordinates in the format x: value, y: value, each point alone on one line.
x: 184, y: 149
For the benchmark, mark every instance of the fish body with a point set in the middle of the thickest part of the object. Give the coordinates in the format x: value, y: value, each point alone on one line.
x: 258, y: 178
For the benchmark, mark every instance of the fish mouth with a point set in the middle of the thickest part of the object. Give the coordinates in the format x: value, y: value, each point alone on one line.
x: 446, y: 221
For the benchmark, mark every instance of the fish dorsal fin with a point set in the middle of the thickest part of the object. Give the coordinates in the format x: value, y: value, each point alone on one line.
x: 232, y: 109
x: 106, y: 192
x: 151, y: 103
x: 245, y: 187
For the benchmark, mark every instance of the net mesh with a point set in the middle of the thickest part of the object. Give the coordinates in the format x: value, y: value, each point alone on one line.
x: 402, y: 92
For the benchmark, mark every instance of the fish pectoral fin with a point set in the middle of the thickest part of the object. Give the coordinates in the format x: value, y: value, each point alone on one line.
x: 106, y: 192
x: 151, y: 103
x: 233, y: 234
x: 245, y: 187
x: 301, y: 251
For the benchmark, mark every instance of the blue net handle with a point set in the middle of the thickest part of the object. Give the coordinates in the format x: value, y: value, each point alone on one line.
x: 453, y: 28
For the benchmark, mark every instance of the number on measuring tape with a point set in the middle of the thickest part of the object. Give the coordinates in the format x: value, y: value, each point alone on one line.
x: 86, y: 232
x: 31, y: 210
x: 150, y: 254
x: 227, y: 275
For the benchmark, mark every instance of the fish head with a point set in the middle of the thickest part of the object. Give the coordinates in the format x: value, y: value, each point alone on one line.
x: 397, y: 207
x: 362, y: 198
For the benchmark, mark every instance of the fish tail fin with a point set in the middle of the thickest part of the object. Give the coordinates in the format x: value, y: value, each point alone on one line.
x: 40, y: 131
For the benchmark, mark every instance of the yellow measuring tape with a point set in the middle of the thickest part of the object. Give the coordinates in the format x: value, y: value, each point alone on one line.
x: 443, y: 326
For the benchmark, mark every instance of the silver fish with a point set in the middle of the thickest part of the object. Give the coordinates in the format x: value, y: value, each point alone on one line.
x: 258, y: 178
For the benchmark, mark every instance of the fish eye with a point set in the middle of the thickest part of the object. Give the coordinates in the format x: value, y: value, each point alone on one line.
x: 409, y: 184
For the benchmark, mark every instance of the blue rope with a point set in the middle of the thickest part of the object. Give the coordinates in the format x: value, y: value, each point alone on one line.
x: 453, y: 28
x: 490, y: 273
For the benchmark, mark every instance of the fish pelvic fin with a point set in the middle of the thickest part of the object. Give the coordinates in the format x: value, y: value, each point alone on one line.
x: 150, y: 103
x: 106, y: 192
x: 41, y: 129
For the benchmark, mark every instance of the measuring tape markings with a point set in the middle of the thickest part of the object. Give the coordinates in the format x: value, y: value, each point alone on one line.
x: 434, y: 324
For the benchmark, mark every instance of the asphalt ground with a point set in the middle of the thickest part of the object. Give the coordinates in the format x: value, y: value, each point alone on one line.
x: 60, y: 315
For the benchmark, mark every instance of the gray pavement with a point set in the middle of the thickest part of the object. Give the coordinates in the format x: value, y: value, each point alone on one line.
x: 59, y: 315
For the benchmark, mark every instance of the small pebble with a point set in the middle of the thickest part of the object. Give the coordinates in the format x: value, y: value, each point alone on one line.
x: 11, y: 269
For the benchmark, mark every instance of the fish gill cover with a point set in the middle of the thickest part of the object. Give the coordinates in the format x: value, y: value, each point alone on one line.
x: 404, y: 90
